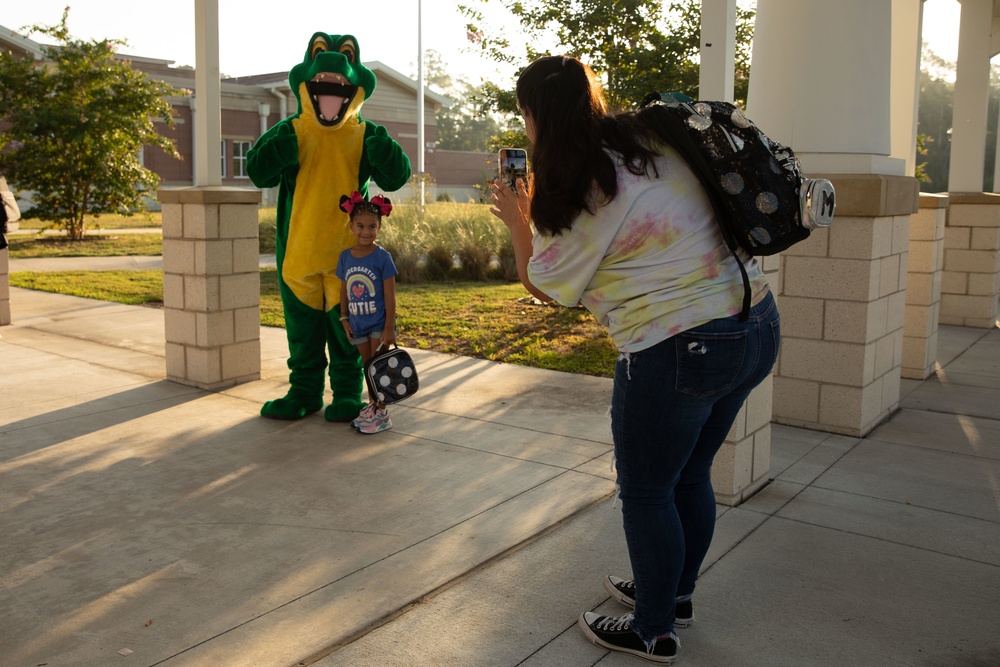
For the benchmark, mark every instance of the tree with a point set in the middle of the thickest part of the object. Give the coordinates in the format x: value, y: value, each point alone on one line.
x: 920, y: 169
x: 75, y: 127
x: 634, y: 44
x: 937, y: 93
x: 466, y: 125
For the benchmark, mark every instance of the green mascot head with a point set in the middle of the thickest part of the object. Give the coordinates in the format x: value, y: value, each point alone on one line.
x: 332, y: 78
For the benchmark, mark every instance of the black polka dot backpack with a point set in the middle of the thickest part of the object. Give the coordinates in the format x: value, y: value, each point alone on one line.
x: 763, y: 202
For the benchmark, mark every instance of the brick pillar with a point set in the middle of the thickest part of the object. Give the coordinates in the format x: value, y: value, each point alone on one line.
x: 842, y: 309
x: 211, y: 285
x: 969, y: 285
x: 923, y: 287
x: 4, y: 287
x: 743, y: 464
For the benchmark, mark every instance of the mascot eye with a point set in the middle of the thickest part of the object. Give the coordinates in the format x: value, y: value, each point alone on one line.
x: 348, y: 53
x: 318, y: 47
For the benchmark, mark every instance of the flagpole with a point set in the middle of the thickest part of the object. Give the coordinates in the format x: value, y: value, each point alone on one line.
x: 420, y: 100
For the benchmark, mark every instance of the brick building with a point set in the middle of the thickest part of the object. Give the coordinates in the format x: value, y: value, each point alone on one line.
x: 252, y: 104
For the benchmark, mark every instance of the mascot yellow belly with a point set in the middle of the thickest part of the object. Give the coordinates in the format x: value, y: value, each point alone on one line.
x: 317, y: 224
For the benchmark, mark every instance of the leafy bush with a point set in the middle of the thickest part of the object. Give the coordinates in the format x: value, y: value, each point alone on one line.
x: 266, y: 226
x: 506, y: 268
x: 408, y: 269
x: 439, y: 263
x: 426, y: 243
x: 474, y: 262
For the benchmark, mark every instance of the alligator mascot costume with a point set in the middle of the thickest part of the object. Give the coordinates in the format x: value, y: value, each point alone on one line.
x: 314, y: 157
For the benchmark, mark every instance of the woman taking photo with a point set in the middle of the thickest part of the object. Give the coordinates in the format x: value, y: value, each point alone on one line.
x: 622, y: 225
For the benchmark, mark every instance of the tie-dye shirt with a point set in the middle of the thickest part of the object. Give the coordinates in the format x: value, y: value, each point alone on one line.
x: 649, y: 264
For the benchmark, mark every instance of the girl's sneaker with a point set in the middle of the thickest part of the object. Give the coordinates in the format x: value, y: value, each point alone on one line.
x: 364, y: 416
x: 379, y: 422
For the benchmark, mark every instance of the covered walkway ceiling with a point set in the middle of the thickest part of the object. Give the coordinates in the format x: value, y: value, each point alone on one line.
x: 995, y: 30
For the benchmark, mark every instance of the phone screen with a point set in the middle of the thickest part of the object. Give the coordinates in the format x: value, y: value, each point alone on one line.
x: 512, y: 165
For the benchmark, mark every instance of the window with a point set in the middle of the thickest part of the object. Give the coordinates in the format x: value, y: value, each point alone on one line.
x: 223, y: 173
x: 240, y: 149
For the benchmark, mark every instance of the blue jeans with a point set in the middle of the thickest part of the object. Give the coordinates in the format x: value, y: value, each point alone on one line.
x: 671, y: 409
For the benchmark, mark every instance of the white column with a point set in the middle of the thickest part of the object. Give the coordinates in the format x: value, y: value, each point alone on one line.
x: 836, y: 82
x: 282, y: 102
x: 263, y: 111
x: 972, y: 81
x: 208, y: 88
x: 195, y: 153
x: 904, y: 103
x: 718, y: 50
x: 421, y: 142
x: 820, y: 82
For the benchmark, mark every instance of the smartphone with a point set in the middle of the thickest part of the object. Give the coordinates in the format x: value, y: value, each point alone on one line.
x: 512, y: 164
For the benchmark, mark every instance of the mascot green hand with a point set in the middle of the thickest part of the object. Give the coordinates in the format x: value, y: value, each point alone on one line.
x: 313, y: 157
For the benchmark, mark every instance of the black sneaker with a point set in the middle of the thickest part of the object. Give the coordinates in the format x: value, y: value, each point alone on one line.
x: 616, y: 633
x: 623, y: 591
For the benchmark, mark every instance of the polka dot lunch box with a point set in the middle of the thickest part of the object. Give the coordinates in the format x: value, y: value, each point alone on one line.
x: 391, y: 375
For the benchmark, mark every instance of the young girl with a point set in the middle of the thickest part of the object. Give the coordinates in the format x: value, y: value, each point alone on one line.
x: 368, y: 294
x: 622, y: 224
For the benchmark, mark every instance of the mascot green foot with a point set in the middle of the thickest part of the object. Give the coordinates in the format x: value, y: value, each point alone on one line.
x: 291, y: 406
x: 342, y: 411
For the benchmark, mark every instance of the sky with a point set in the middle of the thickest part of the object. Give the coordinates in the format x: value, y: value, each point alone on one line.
x: 940, y: 28
x: 256, y: 37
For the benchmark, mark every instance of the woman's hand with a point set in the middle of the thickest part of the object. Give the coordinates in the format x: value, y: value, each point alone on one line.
x: 513, y: 208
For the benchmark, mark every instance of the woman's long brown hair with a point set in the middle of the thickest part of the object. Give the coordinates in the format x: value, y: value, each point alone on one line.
x: 573, y: 132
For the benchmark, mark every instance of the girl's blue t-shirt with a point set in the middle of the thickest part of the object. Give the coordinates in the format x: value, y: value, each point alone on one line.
x: 365, y: 294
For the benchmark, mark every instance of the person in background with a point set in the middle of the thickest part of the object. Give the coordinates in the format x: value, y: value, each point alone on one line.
x: 9, y: 212
x: 615, y: 219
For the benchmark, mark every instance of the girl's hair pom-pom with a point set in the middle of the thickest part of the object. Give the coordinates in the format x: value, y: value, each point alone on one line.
x: 346, y: 205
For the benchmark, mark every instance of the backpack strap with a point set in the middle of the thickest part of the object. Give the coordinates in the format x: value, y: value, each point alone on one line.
x: 747, y: 290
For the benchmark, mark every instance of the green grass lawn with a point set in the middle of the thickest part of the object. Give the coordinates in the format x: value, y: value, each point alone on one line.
x: 104, y: 245
x: 100, y: 239
x: 132, y: 287
x: 483, y: 320
x: 103, y: 221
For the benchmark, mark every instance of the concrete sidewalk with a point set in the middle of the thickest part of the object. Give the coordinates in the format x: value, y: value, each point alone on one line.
x: 148, y: 517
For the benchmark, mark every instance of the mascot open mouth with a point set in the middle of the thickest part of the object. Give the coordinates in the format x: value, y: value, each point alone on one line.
x: 331, y: 97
